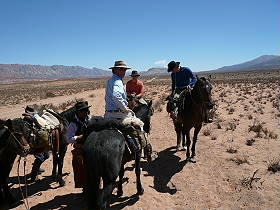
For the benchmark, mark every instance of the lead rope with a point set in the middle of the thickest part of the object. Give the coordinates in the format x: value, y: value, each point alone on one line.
x: 26, y: 194
x: 26, y: 205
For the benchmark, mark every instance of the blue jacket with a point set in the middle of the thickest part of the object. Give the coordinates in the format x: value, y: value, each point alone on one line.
x: 183, y: 78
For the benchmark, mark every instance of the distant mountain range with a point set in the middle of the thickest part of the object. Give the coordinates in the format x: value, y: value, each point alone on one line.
x: 261, y: 63
x: 30, y: 72
x: 21, y: 72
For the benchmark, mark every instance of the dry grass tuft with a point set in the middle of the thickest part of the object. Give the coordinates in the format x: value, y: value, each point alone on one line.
x: 240, y: 159
x: 248, y: 181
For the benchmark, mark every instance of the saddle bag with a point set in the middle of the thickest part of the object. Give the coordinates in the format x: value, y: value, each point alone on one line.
x: 42, y: 141
x: 78, y: 166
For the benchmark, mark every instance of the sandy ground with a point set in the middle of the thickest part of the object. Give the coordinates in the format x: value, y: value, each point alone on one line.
x: 214, y: 181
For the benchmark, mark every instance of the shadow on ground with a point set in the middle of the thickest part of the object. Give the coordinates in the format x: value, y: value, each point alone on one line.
x: 72, y: 201
x: 163, y: 168
x: 33, y: 189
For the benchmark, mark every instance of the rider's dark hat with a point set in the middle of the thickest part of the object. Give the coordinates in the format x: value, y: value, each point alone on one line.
x: 135, y: 74
x: 82, y: 105
x: 171, y: 65
x: 30, y: 110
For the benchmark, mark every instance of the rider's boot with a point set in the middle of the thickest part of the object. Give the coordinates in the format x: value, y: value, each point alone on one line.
x: 35, y: 170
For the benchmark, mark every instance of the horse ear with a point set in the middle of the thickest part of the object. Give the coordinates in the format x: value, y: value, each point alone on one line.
x: 150, y: 103
x: 9, y: 124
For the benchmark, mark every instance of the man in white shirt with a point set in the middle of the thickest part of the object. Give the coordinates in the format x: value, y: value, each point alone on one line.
x: 115, y: 98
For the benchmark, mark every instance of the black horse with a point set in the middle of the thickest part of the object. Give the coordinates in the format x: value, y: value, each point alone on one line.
x: 192, y: 112
x: 13, y: 135
x: 105, y: 155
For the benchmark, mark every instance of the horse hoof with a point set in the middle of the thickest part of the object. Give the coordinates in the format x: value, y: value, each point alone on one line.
x: 120, y: 193
x: 61, y: 182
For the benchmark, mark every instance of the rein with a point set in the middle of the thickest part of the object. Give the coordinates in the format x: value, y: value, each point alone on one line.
x: 25, y: 199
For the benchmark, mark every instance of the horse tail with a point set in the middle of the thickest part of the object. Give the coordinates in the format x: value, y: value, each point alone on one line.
x: 103, y: 152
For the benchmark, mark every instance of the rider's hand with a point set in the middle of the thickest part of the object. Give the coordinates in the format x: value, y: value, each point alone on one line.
x: 130, y: 111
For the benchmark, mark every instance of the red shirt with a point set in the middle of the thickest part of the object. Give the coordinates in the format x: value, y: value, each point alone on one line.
x: 135, y: 87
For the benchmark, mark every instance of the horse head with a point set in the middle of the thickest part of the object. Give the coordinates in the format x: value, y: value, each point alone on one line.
x: 14, y: 135
x: 204, y: 88
x: 144, y: 112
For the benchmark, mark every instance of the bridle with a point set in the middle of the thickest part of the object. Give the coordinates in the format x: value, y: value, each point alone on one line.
x: 25, y: 148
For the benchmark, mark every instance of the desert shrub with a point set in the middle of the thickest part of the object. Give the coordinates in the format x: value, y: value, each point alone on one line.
x: 249, y: 142
x: 231, y: 149
x: 231, y: 126
x: 231, y: 110
x: 222, y: 94
x: 50, y: 94
x: 69, y: 103
x: 213, y: 137
x: 274, y: 165
x: 257, y: 127
x: 40, y: 107
x: 206, y: 132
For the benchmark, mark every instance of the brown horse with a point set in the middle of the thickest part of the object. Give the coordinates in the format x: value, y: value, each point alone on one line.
x: 191, y: 114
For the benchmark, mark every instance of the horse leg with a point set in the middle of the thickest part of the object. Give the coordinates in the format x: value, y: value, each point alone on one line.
x: 186, y: 132
x: 107, y: 192
x: 60, y: 159
x: 121, y: 174
x: 140, y: 189
x: 55, y: 161
x: 183, y: 139
x: 196, y: 131
x: 178, y: 129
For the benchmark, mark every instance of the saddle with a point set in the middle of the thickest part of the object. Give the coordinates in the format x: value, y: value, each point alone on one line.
x: 131, y: 128
x: 44, y: 130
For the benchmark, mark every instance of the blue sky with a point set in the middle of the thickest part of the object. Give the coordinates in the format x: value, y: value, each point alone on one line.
x: 202, y: 34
